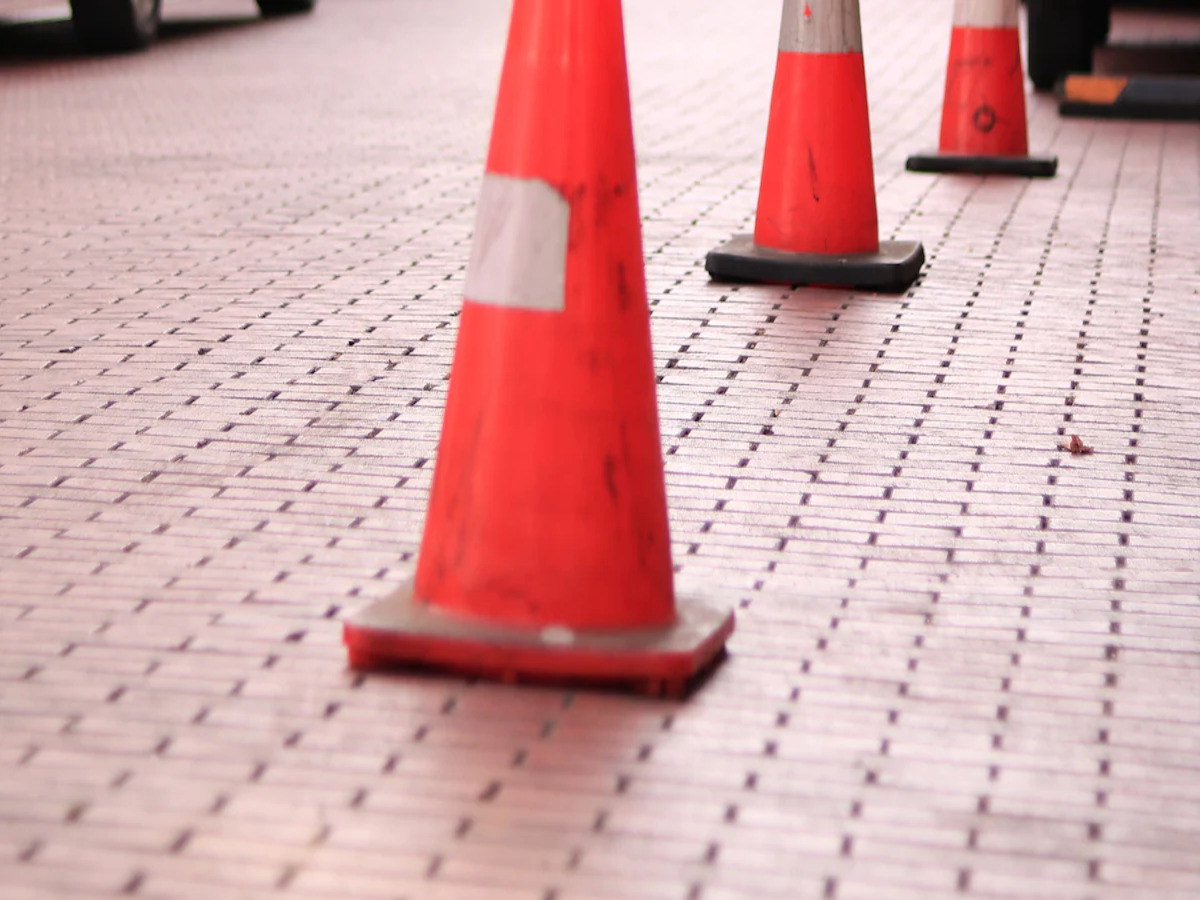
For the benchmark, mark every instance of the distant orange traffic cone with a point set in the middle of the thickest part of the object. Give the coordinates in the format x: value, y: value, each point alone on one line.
x: 817, y: 220
x: 983, y: 111
x: 546, y: 550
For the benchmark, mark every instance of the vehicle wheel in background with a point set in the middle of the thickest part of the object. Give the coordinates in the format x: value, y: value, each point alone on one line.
x: 284, y: 7
x: 112, y: 26
x: 1099, y: 21
x: 1061, y: 35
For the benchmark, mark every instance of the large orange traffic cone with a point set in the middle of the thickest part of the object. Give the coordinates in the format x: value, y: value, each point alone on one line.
x: 817, y: 221
x: 983, y: 111
x: 546, y: 549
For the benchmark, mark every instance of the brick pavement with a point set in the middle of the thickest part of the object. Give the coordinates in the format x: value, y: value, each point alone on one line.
x: 967, y: 663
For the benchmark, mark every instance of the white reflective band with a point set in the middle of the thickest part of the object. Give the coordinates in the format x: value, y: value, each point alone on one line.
x: 986, y: 13
x: 519, y: 255
x: 820, y: 26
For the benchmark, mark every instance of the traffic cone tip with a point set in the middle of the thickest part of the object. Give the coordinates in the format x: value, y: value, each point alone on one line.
x: 985, y: 13
x: 828, y: 28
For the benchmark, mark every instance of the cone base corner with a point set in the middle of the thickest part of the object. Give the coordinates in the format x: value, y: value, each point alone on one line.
x: 892, y: 268
x: 402, y: 632
x: 968, y: 164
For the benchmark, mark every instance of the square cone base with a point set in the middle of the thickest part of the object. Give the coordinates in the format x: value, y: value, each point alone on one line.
x: 893, y: 268
x: 401, y: 631
x: 965, y: 164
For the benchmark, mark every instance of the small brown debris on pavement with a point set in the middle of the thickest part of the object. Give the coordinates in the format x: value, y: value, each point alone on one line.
x: 1076, y: 447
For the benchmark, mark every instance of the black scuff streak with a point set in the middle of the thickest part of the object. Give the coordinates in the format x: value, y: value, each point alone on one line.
x: 622, y: 287
x: 812, y: 176
x: 610, y: 475
x: 644, y: 540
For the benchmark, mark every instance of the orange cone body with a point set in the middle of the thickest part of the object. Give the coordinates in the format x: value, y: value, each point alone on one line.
x: 565, y: 521
x: 983, y: 111
x: 984, y: 129
x: 817, y: 221
x: 817, y: 193
x: 547, y: 520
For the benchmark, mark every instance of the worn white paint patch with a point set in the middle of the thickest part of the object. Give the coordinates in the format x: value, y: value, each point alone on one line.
x: 985, y: 13
x: 519, y: 254
x: 820, y: 26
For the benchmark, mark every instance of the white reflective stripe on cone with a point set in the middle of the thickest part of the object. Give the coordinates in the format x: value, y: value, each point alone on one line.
x: 986, y: 13
x: 519, y: 254
x: 820, y: 26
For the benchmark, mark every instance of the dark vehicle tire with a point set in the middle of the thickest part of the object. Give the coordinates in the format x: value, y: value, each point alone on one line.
x: 285, y: 7
x: 115, y: 26
x: 1099, y: 21
x: 1061, y: 35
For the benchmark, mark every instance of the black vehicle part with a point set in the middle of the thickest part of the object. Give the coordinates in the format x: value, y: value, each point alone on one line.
x: 114, y: 26
x: 285, y: 7
x: 1061, y: 35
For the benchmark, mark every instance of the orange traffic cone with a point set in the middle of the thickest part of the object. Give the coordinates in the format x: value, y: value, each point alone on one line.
x: 546, y: 550
x: 817, y: 221
x: 983, y: 111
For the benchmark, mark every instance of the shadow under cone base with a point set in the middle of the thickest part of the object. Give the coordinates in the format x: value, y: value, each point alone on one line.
x: 400, y: 631
x: 971, y: 164
x: 893, y: 268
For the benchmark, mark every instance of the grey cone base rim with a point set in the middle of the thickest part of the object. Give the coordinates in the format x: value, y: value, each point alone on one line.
x: 971, y: 164
x: 685, y: 647
x: 892, y: 268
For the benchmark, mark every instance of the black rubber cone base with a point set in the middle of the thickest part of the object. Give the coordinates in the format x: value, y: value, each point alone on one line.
x: 893, y: 268
x: 962, y: 163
